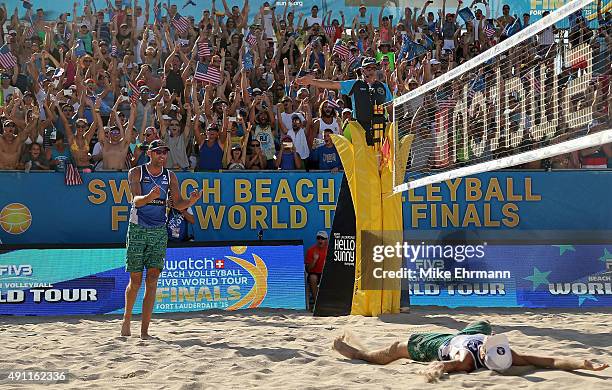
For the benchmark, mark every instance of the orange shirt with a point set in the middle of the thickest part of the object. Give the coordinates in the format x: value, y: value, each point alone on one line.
x: 320, y: 262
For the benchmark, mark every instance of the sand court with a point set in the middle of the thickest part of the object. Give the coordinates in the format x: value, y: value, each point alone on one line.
x: 284, y: 349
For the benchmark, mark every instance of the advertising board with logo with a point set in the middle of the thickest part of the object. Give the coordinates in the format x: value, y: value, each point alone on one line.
x: 534, y: 276
x: 61, y: 281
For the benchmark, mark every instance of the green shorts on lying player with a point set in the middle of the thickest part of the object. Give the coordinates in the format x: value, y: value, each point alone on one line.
x: 472, y: 348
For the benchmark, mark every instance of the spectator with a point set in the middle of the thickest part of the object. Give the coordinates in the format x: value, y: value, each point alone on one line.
x: 178, y: 224
x: 256, y: 160
x: 211, y: 149
x: 287, y: 158
x: 315, y: 261
x: 297, y: 134
x: 58, y: 154
x: 115, y: 148
x: 234, y: 155
x: 34, y: 160
x: 12, y: 142
x: 326, y: 155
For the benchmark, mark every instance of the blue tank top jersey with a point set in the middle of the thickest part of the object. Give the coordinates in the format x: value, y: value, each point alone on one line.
x: 152, y: 214
x: 211, y: 158
x: 288, y: 162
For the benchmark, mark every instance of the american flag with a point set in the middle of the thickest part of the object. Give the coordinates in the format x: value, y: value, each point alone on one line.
x: 203, y: 49
x: 341, y: 50
x: 67, y: 35
x: 79, y: 51
x: 330, y: 30
x: 180, y: 23
x: 207, y: 73
x: 7, y: 59
x: 533, y: 82
x: 72, y: 177
x: 488, y: 30
x: 445, y: 100
x: 251, y: 39
x: 113, y: 52
x: 332, y: 103
x: 29, y: 31
x: 157, y: 12
x: 133, y: 91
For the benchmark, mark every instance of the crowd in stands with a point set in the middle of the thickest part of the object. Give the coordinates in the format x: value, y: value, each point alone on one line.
x: 94, y: 87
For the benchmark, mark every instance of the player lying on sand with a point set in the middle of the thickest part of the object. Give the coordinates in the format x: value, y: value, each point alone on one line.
x: 468, y: 350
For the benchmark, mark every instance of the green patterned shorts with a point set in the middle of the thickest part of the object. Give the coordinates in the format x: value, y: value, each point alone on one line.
x: 146, y: 248
x: 423, y: 347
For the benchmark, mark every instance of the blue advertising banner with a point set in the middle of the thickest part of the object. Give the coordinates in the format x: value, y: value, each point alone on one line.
x: 39, y: 208
x: 93, y: 280
x: 513, y: 206
x: 534, y: 276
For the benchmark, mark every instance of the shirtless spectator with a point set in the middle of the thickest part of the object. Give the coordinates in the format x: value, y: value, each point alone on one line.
x: 12, y: 142
x: 115, y: 148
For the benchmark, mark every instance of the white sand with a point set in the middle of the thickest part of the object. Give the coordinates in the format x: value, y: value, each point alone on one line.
x: 290, y: 350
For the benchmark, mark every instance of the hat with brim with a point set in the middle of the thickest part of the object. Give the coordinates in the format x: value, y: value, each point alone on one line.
x: 368, y: 61
x: 322, y: 233
x: 498, y: 355
x: 158, y: 145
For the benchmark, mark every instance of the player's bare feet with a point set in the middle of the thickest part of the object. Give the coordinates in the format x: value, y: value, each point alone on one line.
x: 125, y: 328
x: 344, y: 348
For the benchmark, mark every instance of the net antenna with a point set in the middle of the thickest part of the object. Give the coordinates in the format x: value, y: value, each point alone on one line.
x: 519, y: 101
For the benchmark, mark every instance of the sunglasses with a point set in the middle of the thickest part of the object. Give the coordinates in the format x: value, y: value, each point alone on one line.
x: 254, y: 145
x: 161, y: 151
x: 9, y: 126
x: 84, y: 126
x: 321, y: 238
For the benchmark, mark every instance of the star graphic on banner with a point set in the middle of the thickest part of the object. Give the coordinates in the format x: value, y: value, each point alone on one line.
x: 606, y: 256
x: 582, y: 298
x: 538, y: 278
x: 565, y: 248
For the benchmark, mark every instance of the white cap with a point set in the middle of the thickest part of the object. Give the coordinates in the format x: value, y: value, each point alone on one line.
x: 322, y: 233
x: 166, y: 117
x: 347, y: 110
x: 498, y: 356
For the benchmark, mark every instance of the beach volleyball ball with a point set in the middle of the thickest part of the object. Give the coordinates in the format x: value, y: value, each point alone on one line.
x: 239, y: 249
x: 15, y: 218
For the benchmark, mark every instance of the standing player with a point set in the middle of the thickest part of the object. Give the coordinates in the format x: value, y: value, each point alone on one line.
x: 151, y: 185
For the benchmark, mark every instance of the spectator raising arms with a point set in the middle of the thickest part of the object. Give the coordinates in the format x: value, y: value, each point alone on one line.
x: 226, y: 92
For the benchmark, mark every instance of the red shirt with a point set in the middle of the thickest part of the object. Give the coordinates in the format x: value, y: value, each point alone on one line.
x: 320, y: 262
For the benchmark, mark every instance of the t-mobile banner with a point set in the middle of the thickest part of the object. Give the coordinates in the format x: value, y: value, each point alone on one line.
x: 335, y: 296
